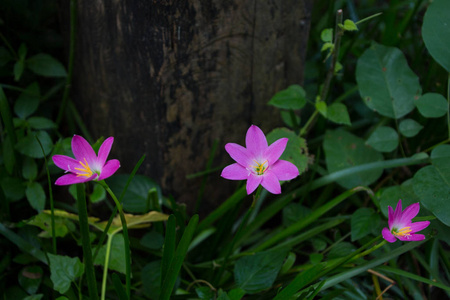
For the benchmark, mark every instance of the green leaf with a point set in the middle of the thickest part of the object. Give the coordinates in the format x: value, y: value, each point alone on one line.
x: 383, y: 139
x: 36, y: 196
x: 327, y: 46
x: 9, y: 159
x: 28, y: 101
x: 117, y: 255
x: 43, y: 220
x: 29, y: 168
x: 337, y: 113
x: 151, y: 279
x: 436, y: 32
x: 152, y: 240
x: 362, y: 222
x: 294, y: 97
x: 349, y: 25
x: 258, y: 272
x: 296, y: 150
x: 135, y: 199
x: 294, y: 212
x: 386, y: 83
x: 14, y: 188
x: 205, y: 293
x: 321, y: 106
x: 432, y: 105
x: 344, y: 150
x: 29, y: 146
x: 341, y: 250
x: 19, y: 66
x: 391, y: 195
x: 236, y: 294
x: 291, y: 119
x: 45, y: 65
x: 41, y: 123
x: 409, y: 127
x: 432, y: 184
x: 327, y: 35
x: 64, y: 270
x: 98, y: 194
x: 30, y: 278
x: 34, y: 297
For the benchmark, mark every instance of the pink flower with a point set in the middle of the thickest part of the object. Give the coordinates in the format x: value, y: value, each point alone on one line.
x: 87, y: 165
x: 400, y: 225
x: 259, y: 163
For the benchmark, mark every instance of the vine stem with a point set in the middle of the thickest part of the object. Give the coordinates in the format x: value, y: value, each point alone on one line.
x: 105, y: 268
x: 125, y: 237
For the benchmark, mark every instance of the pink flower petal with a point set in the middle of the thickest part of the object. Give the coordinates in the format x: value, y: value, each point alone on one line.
x: 412, y: 238
x: 418, y: 226
x: 241, y: 155
x: 271, y: 183
x: 71, y: 178
x: 256, y: 141
x: 66, y: 163
x: 390, y: 217
x: 235, y: 172
x: 284, y: 170
x: 103, y: 152
x: 410, y: 212
x: 109, y: 169
x: 252, y: 182
x: 82, y: 150
x: 274, y: 151
x: 398, y: 212
x: 387, y: 235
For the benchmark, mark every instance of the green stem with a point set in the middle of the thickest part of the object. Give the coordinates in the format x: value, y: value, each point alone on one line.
x: 86, y: 243
x: 73, y: 22
x: 105, y: 267
x: 125, y: 237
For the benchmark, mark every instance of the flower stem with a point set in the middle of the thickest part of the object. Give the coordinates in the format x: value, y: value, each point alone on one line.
x: 105, y: 267
x: 86, y: 243
x: 125, y: 237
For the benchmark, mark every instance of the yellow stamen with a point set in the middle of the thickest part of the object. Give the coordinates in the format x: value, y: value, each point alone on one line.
x: 260, y: 168
x: 87, y: 172
x: 402, y: 232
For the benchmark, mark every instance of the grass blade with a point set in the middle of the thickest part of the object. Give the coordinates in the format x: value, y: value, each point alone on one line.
x: 169, y: 246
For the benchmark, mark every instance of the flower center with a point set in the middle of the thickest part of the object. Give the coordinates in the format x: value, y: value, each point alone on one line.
x: 260, y: 168
x: 85, y: 170
x: 405, y: 231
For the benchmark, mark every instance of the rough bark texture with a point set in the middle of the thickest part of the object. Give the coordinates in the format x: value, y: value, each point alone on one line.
x: 167, y: 78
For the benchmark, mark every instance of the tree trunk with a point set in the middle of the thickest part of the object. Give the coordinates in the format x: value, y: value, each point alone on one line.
x: 167, y: 78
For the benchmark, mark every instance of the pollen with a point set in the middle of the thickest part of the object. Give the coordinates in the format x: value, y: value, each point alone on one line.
x: 85, y: 170
x: 405, y: 231
x: 260, y: 168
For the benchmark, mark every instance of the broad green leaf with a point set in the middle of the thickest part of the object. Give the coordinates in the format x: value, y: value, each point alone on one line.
x: 30, y: 278
x: 5, y: 56
x: 152, y: 240
x: 432, y: 184
x: 294, y: 97
x: 337, y: 113
x: 29, y: 146
x: 34, y: 297
x: 296, y: 150
x: 45, y: 65
x: 133, y: 221
x: 117, y: 254
x: 327, y: 35
x: 64, y: 270
x: 29, y: 168
x: 35, y: 195
x: 363, y: 221
x: 98, y: 194
x: 41, y: 123
x: 293, y: 212
x: 349, y: 25
x: 432, y: 105
x: 344, y: 150
x: 28, y: 101
x: 327, y: 46
x: 321, y: 107
x: 258, y: 272
x: 236, y: 294
x: 291, y: 119
x: 19, y: 66
x: 315, y: 258
x: 436, y: 32
x: 43, y: 220
x: 386, y: 83
x: 383, y: 139
x: 341, y: 249
x: 409, y: 127
x: 14, y: 188
x: 391, y: 195
x: 136, y: 198
x: 205, y: 293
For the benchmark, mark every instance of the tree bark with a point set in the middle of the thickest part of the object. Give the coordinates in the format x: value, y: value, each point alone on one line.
x: 167, y: 78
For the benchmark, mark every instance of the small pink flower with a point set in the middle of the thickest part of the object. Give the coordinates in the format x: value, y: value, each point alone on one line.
x: 87, y: 165
x: 259, y: 163
x: 400, y: 225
